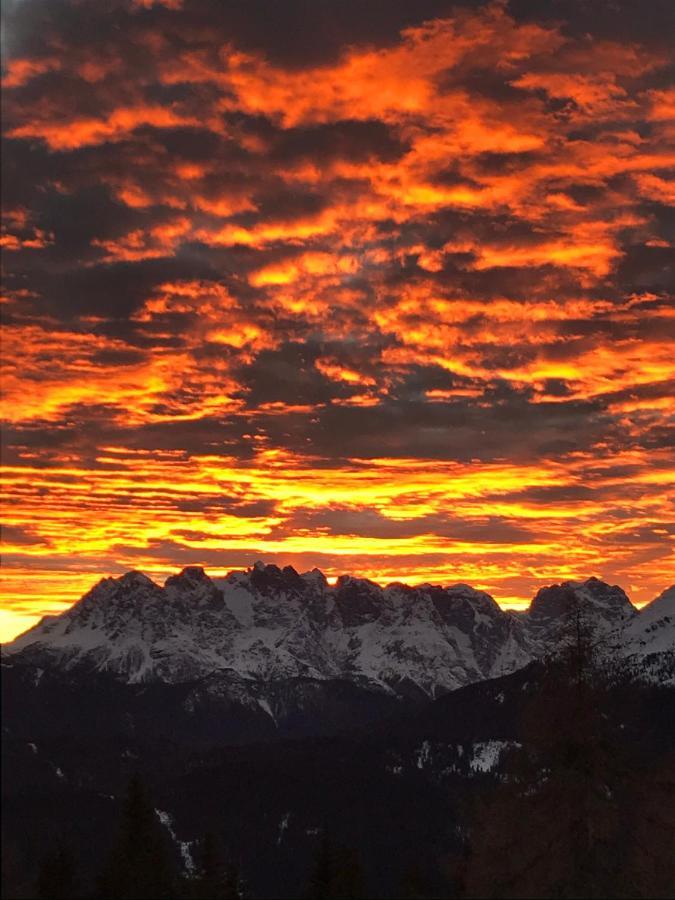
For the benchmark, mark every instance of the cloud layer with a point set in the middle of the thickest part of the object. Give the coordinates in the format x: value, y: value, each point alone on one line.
x: 378, y: 288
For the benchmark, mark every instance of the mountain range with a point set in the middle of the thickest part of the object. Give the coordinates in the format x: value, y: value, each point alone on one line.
x: 267, y: 625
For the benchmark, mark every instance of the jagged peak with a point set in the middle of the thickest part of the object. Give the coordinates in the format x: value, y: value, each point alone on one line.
x: 110, y: 586
x: 189, y: 575
x: 193, y: 587
x: 556, y: 600
x: 462, y: 586
x: 594, y: 583
x: 461, y: 589
x: 354, y: 580
x: 270, y: 578
x: 136, y: 578
x: 315, y: 576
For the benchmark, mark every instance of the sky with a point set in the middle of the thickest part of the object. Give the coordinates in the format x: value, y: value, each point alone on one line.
x: 379, y: 287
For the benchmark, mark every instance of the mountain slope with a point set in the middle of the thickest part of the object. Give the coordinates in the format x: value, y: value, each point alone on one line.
x: 653, y: 630
x: 268, y: 625
x: 273, y: 624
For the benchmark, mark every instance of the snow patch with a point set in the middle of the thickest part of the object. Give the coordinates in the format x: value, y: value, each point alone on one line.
x: 265, y: 706
x: 423, y: 755
x: 283, y: 826
x: 486, y: 754
x: 184, y: 847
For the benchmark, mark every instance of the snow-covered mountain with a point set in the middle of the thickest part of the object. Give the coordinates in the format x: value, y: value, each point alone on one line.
x: 653, y: 630
x: 269, y: 625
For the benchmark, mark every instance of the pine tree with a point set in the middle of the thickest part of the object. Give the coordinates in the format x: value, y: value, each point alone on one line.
x: 139, y: 866
x: 57, y: 880
x: 210, y: 878
x: 337, y: 873
x: 647, y: 868
x: 323, y: 870
x: 233, y: 885
x: 216, y: 878
x: 556, y: 827
x: 348, y: 880
x: 414, y: 884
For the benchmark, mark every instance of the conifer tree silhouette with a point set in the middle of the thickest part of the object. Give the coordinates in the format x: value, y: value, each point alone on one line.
x: 216, y: 879
x: 233, y: 884
x: 336, y: 874
x: 57, y: 879
x: 575, y: 804
x: 414, y: 884
x: 211, y: 874
x: 139, y: 866
x: 322, y: 876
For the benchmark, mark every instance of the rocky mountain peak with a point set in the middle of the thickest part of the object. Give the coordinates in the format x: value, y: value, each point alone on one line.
x: 592, y: 596
x: 315, y: 578
x: 192, y: 586
x: 188, y: 575
x: 134, y: 578
x: 270, y: 579
x: 115, y: 598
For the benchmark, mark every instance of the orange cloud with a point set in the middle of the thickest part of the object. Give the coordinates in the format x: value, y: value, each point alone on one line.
x: 87, y: 131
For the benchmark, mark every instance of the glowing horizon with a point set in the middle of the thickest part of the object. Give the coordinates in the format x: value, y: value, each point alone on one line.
x: 10, y: 621
x: 385, y: 294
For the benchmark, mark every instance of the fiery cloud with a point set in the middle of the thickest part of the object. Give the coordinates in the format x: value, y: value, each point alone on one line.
x: 376, y: 290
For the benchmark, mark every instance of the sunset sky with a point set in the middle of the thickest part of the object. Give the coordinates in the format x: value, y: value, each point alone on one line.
x: 378, y: 287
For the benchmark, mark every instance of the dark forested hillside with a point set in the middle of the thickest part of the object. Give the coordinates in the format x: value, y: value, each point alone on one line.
x: 475, y: 794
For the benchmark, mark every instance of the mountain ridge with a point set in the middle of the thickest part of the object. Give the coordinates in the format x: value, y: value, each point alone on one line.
x: 270, y: 624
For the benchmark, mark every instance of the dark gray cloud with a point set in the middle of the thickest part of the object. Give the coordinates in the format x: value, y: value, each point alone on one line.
x: 372, y: 523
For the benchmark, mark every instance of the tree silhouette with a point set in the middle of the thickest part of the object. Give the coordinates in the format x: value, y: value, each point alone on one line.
x: 561, y: 824
x: 648, y: 865
x: 210, y: 877
x: 57, y: 880
x: 414, y: 884
x: 216, y: 879
x: 233, y: 884
x: 139, y: 866
x: 336, y: 874
x: 323, y: 870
